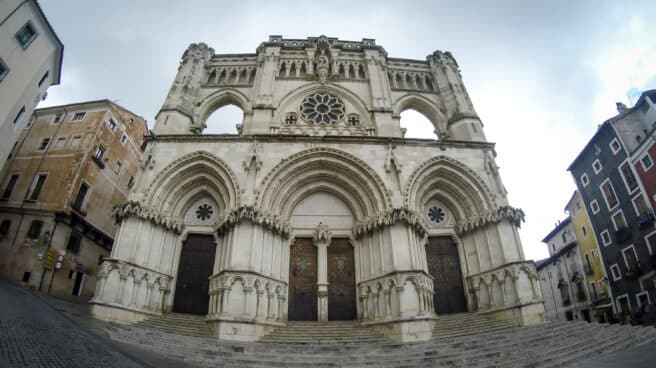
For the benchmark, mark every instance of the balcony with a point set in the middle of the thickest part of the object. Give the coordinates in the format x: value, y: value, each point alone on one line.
x: 587, y: 269
x: 646, y: 219
x: 633, y: 272
x: 622, y: 235
x: 98, y: 162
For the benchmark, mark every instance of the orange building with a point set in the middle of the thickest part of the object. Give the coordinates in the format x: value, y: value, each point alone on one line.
x: 69, y: 167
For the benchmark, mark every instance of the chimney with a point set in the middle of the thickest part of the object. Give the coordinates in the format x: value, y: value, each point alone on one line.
x: 621, y: 107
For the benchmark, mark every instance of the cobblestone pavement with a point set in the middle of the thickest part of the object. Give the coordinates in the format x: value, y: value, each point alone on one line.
x: 33, y: 334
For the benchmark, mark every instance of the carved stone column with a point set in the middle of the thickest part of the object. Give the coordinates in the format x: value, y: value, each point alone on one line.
x: 121, y: 287
x: 321, y: 240
x: 365, y: 307
x: 135, y: 288
x: 248, y: 293
x: 504, y: 296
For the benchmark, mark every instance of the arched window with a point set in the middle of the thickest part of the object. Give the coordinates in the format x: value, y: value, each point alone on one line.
x: 224, y: 120
x: 417, y: 125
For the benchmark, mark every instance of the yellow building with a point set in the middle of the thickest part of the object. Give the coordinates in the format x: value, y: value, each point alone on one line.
x: 592, y: 264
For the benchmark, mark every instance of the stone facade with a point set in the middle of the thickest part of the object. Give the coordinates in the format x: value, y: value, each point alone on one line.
x: 71, y: 165
x: 320, y: 155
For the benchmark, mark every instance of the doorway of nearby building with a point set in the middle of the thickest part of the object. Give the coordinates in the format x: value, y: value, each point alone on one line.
x: 77, y: 288
x: 302, y: 281
x: 444, y: 267
x: 341, y: 281
x: 192, y: 285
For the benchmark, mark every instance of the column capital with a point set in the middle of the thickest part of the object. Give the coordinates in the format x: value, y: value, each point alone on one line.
x: 321, y: 236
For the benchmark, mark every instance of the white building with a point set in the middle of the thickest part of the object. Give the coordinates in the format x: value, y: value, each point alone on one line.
x: 30, y: 61
x: 319, y: 209
x: 562, y: 276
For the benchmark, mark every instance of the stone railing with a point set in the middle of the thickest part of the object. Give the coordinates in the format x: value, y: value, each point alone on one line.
x: 504, y: 287
x: 247, y: 296
x: 129, y: 286
x: 397, y: 295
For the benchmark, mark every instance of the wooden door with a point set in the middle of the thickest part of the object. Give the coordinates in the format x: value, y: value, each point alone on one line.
x: 192, y: 285
x: 341, y: 281
x: 444, y: 266
x: 302, y: 281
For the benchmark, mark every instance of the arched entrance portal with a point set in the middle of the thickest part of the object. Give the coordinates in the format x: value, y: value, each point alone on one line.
x: 192, y: 285
x: 322, y: 264
x: 444, y: 267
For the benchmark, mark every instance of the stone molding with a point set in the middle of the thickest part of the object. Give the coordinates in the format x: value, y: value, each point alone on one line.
x: 256, y: 216
x: 505, y: 213
x: 494, y: 282
x: 124, y: 210
x: 322, y: 234
x: 389, y: 218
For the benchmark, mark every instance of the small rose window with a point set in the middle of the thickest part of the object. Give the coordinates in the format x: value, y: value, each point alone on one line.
x: 204, y: 211
x: 322, y: 109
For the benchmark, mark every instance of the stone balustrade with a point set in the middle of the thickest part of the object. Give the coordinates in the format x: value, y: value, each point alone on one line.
x: 396, y: 295
x: 128, y: 286
x: 508, y: 286
x: 247, y: 296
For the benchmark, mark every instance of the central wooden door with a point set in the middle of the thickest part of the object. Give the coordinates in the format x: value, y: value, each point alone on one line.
x: 192, y: 285
x: 302, y: 281
x: 341, y: 281
x: 444, y: 266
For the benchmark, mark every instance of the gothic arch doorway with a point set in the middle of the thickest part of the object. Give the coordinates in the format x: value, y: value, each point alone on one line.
x: 444, y: 266
x: 192, y: 284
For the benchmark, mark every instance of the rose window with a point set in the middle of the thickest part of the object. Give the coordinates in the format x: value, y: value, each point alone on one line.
x: 436, y: 214
x: 204, y: 212
x: 322, y: 109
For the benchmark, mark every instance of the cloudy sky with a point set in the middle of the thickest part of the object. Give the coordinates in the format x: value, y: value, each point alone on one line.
x: 542, y: 75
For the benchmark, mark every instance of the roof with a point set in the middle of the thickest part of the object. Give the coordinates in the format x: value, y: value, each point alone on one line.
x: 544, y: 262
x: 558, y: 227
x: 92, y: 102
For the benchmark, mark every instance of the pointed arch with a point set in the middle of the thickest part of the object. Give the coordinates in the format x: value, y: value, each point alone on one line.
x: 218, y: 99
x: 451, y: 182
x: 423, y: 105
x: 323, y: 170
x: 189, y: 177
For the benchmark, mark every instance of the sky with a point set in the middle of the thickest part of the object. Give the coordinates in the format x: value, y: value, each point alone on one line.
x: 541, y: 75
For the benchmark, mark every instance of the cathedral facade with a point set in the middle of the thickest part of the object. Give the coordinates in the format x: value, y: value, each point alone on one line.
x: 319, y: 209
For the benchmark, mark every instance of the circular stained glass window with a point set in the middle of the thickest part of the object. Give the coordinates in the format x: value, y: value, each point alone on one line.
x: 204, y: 212
x: 436, y: 214
x: 322, y: 109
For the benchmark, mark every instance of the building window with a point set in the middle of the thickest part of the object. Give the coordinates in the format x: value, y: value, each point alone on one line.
x: 596, y: 166
x: 44, y: 144
x: 594, y: 206
x: 20, y: 115
x: 35, y: 229
x: 124, y: 138
x: 26, y: 35
x: 615, y: 271
x: 4, y: 70
x: 10, y: 186
x: 99, y: 152
x: 111, y: 125
x: 78, y: 116
x: 609, y: 194
x: 630, y: 259
x: 643, y: 299
x: 44, y: 78
x: 619, y: 221
x: 60, y: 142
x: 4, y: 227
x: 118, y: 166
x: 74, y: 241
x: 605, y: 237
x: 131, y: 182
x: 41, y: 179
x: 584, y: 180
x: 615, y: 146
x: 651, y: 243
x: 646, y: 162
x: 584, y: 231
x: 629, y: 178
x: 640, y: 205
x: 75, y: 141
x: 81, y: 194
x: 58, y: 118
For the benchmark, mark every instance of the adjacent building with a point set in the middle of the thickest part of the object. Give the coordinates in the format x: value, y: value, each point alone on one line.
x: 593, y: 267
x: 71, y: 165
x: 562, y: 276
x: 30, y: 61
x: 614, y: 174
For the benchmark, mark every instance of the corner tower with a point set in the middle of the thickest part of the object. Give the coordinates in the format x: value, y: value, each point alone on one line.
x: 319, y: 209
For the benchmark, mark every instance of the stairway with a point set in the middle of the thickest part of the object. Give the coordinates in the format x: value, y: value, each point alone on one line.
x: 461, y: 340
